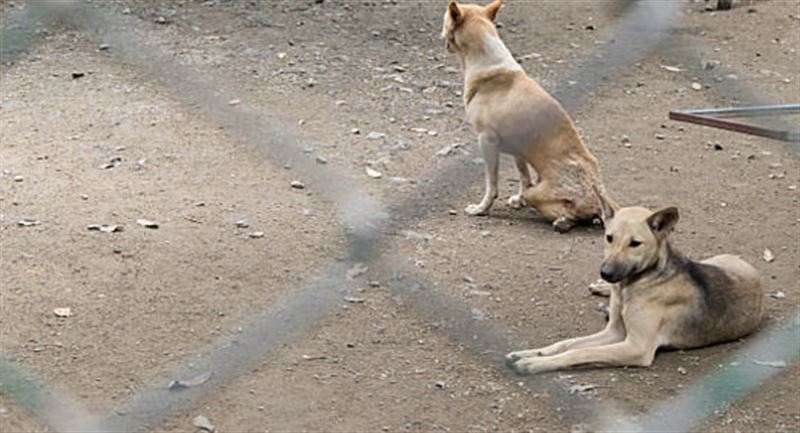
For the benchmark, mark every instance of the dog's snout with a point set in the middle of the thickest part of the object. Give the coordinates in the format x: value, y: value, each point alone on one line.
x: 610, y: 273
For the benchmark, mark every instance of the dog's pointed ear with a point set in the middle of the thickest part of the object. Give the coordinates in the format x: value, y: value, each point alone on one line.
x: 492, y: 8
x: 454, y: 11
x: 606, y: 209
x: 663, y: 221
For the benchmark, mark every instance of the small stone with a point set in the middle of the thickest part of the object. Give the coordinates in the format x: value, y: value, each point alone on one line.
x: 84, y: 197
x: 242, y: 224
x: 774, y: 364
x: 28, y: 223
x: 296, y: 184
x: 768, y: 256
x: 682, y: 370
x: 18, y: 178
x: 62, y: 312
x: 203, y: 423
x: 375, y: 135
x: 485, y: 233
x: 452, y: 212
x: 115, y: 161
x: 718, y: 146
x: 440, y: 385
x: 625, y: 139
x: 104, y: 228
x: 255, y: 235
x: 354, y: 300
x: 660, y: 136
x: 777, y: 295
x: 355, y: 131
x: 322, y: 160
x: 582, y: 389
x: 374, y: 173
x: 234, y: 102
x: 104, y: 47
x: 162, y: 20
x: 147, y: 223
x: 76, y: 75
x: 671, y: 68
x: 697, y: 86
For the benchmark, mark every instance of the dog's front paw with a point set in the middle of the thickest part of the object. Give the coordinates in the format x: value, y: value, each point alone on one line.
x: 516, y: 201
x: 513, y: 357
x: 476, y: 209
x: 563, y: 224
x: 530, y: 366
x: 600, y: 288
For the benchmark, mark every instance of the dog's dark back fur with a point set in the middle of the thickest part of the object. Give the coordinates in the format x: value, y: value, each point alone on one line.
x: 719, y: 307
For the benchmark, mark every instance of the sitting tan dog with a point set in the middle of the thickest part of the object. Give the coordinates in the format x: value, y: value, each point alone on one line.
x: 659, y: 298
x: 512, y: 114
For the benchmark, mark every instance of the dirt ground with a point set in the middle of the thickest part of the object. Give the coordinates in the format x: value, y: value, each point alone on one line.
x: 114, y: 146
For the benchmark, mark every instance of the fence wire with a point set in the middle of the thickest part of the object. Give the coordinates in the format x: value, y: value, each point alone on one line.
x: 645, y: 27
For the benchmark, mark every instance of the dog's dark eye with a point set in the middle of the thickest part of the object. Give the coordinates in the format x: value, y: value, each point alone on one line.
x: 635, y: 243
x: 609, y: 238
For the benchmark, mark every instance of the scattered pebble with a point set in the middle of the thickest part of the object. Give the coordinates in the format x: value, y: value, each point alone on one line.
x: 440, y: 385
x: 768, y: 256
x: 242, y: 224
x: 697, y: 86
x: 356, y: 271
x: 682, y: 370
x: 147, y: 223
x: 203, y: 423
x: 777, y: 295
x: 296, y: 184
x: 28, y: 223
x: 322, y: 160
x: 234, y: 102
x: 104, y: 47
x: 190, y: 382
x: 255, y: 235
x: 18, y: 178
x: 671, y: 68
x: 660, y: 136
x: 582, y: 389
x: 375, y: 136
x: 62, y: 312
x: 775, y: 364
x: 485, y: 233
x: 104, y: 228
x: 353, y: 300
x: 374, y: 173
x: 114, y: 162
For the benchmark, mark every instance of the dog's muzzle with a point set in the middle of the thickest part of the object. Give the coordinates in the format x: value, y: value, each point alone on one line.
x: 613, y: 273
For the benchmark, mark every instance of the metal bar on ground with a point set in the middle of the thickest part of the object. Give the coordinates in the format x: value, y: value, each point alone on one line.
x: 713, y: 118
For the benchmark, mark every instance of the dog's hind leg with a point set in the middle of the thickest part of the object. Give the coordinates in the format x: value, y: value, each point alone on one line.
x: 552, y: 208
x: 517, y: 201
x: 490, y: 147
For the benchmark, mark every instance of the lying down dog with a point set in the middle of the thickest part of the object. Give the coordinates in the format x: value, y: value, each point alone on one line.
x: 659, y: 298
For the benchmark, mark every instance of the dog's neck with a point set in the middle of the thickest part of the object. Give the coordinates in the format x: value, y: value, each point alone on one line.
x: 668, y: 264
x: 490, y: 58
